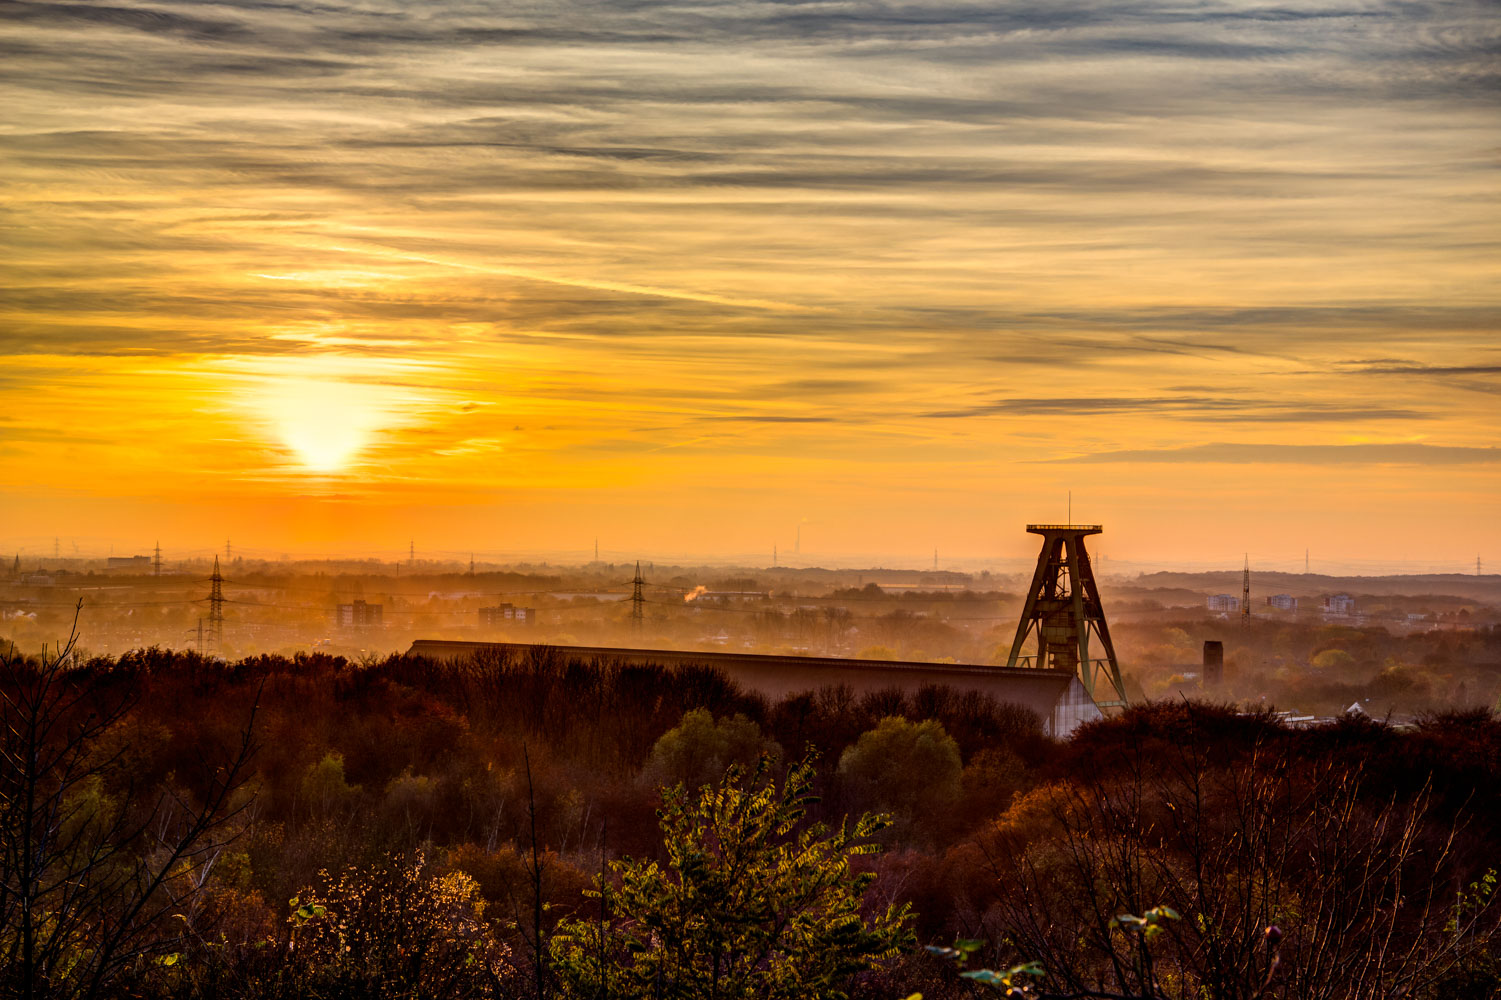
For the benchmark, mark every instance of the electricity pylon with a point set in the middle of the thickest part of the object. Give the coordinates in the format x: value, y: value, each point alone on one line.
x: 216, y: 608
x: 638, y: 599
x: 1245, y: 594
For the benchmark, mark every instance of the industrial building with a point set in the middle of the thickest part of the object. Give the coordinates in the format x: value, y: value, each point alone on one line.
x: 1062, y: 663
x: 1057, y: 696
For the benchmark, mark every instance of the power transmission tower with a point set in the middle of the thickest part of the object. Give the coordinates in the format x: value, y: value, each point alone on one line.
x: 157, y: 562
x: 227, y: 550
x: 1063, y: 608
x: 216, y: 608
x: 412, y: 553
x: 638, y: 600
x: 1245, y: 594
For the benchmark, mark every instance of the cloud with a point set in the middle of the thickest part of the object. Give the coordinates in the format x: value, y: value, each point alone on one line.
x: 1212, y: 408
x: 1296, y: 454
x: 1436, y: 370
x: 153, y: 20
x: 870, y: 216
x: 769, y: 418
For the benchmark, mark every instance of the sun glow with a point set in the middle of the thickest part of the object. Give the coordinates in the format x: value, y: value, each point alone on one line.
x: 328, y: 411
x: 325, y: 423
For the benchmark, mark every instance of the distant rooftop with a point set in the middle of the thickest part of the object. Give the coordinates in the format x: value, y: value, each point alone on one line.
x: 1088, y: 529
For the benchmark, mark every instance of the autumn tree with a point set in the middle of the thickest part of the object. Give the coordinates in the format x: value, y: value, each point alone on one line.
x: 1292, y: 878
x: 93, y: 876
x: 393, y: 929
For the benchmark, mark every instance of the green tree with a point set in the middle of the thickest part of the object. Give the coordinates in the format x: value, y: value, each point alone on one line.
x: 324, y: 789
x: 1332, y: 659
x: 910, y: 768
x: 698, y: 749
x: 751, y: 903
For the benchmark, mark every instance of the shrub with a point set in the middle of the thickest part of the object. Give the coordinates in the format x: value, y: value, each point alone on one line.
x: 750, y: 903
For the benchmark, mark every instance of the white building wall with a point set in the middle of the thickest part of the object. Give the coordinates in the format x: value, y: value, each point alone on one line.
x: 1074, y: 708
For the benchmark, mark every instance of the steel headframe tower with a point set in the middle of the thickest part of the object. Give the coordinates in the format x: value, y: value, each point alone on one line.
x: 216, y: 608
x: 638, y: 599
x: 1063, y: 608
x: 1245, y: 594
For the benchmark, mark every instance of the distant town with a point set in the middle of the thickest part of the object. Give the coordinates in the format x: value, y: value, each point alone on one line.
x: 1312, y: 644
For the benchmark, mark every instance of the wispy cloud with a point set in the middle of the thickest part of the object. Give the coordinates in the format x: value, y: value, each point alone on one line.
x: 897, y: 242
x: 1295, y: 454
x: 1434, y: 370
x: 1210, y: 408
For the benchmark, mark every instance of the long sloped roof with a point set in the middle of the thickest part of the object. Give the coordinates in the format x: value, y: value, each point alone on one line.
x: 778, y: 676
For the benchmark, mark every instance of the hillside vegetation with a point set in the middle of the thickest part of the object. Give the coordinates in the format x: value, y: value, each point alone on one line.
x: 540, y: 826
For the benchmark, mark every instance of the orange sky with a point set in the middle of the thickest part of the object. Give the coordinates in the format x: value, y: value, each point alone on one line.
x: 325, y: 278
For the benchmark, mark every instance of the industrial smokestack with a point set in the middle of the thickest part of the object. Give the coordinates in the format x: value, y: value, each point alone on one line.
x: 1214, y: 664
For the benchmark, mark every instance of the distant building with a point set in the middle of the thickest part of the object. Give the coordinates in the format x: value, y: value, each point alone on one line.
x: 358, y: 615
x: 1283, y: 602
x: 1224, y: 602
x: 1339, y: 604
x: 128, y: 562
x: 507, y: 614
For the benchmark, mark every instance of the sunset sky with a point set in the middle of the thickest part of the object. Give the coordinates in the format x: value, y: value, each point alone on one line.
x: 694, y: 277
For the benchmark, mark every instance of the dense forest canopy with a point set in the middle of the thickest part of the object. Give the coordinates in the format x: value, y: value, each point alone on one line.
x: 402, y: 827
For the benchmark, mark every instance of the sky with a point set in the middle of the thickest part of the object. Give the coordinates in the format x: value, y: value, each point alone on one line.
x: 865, y: 279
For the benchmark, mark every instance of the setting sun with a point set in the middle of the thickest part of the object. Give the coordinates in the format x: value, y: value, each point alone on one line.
x: 329, y: 410
x: 325, y: 423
